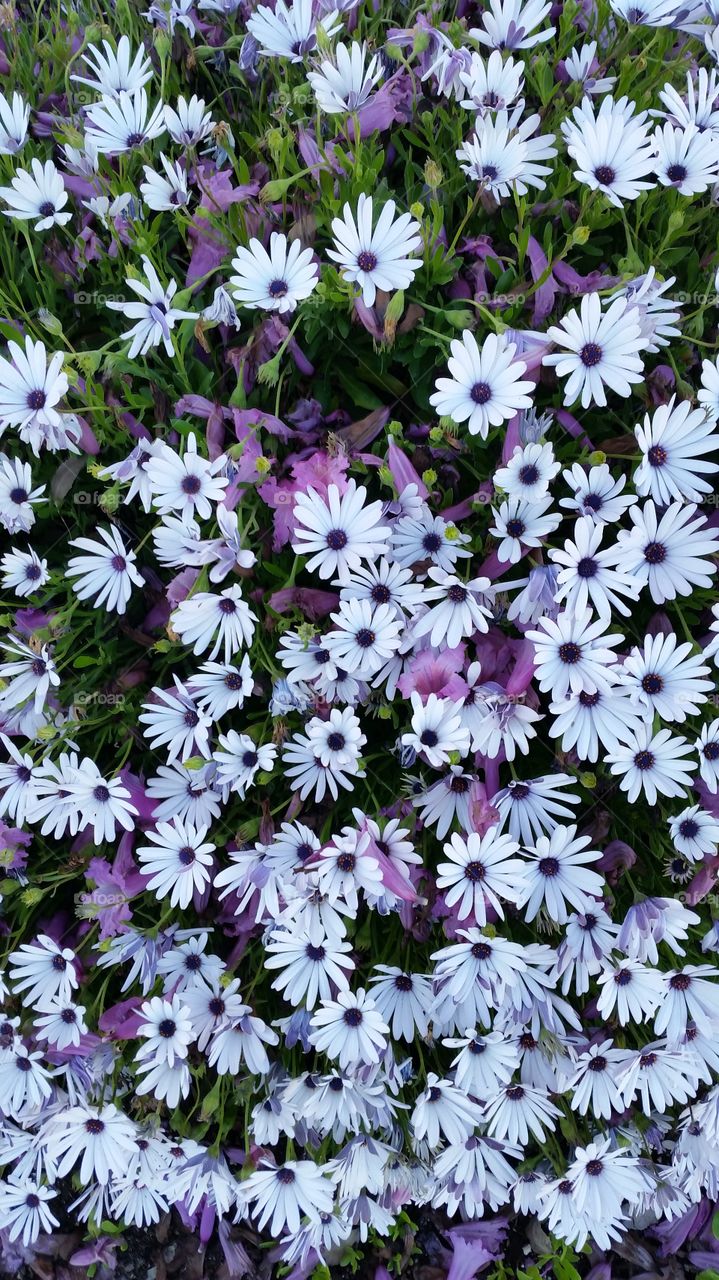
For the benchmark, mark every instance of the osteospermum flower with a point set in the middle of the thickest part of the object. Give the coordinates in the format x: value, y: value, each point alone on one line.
x: 121, y: 123
x: 503, y: 155
x: 25, y: 1210
x: 574, y: 653
x: 486, y: 387
x: 338, y: 531
x: 491, y: 85
x: 512, y: 24
x: 154, y: 313
x: 599, y: 348
x: 283, y: 1196
x: 165, y: 191
x: 177, y: 861
x: 14, y: 121
x: 106, y: 573
x: 674, y: 442
x: 225, y: 619
x: 685, y: 158
x: 115, y: 71
x: 344, y: 82
x: 188, y: 122
x: 480, y: 870
x: 23, y: 572
x: 556, y: 873
x: 289, y: 31
x: 653, y: 763
x: 669, y: 552
x: 376, y: 258
x: 611, y: 148
x: 185, y: 482
x: 437, y: 729
x: 349, y: 1029
x: 274, y: 280
x: 40, y: 194
x: 30, y: 388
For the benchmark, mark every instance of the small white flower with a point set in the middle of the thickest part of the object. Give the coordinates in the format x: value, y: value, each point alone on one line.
x: 274, y: 281
x: 40, y: 194
x: 485, y: 388
x: 376, y: 258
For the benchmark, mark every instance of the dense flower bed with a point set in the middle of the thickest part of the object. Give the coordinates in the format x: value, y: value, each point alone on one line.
x: 359, y: 825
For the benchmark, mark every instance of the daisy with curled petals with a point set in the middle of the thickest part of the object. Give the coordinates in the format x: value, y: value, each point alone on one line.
x: 555, y: 873
x: 457, y: 609
x: 674, y: 441
x: 574, y: 653
x: 695, y: 833
x: 443, y: 1110
x: 154, y: 314
x: 14, y: 121
x: 177, y: 861
x: 589, y: 576
x: 276, y: 280
x: 349, y: 1030
x: 289, y: 31
x: 669, y: 552
x: 502, y: 723
x: 485, y: 388
x: 598, y: 347
x: 531, y: 808
x: 503, y: 157
x: 653, y: 764
x: 106, y: 572
x: 519, y: 524
x: 343, y: 83
x: 115, y: 71
x: 437, y: 729
x: 225, y: 619
x: 685, y: 159
x: 658, y: 314
x: 338, y: 531
x: 481, y: 870
x: 186, y: 482
x: 121, y: 123
x: 170, y: 190
x: 666, y: 678
x: 379, y: 258
x: 699, y: 106
x: 40, y: 194
x: 611, y: 148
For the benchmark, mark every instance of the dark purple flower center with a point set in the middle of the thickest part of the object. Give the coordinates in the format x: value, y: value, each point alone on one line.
x: 590, y: 354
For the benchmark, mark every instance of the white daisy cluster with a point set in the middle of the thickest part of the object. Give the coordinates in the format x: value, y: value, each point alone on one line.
x: 352, y: 907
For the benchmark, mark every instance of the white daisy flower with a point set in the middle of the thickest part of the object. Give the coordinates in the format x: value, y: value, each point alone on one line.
x: 670, y: 553
x: 61, y: 1023
x: 685, y: 159
x: 599, y: 347
x: 485, y: 388
x: 511, y: 24
x: 708, y: 394
x: 343, y: 83
x: 17, y: 496
x: 503, y: 156
x: 177, y: 861
x: 185, y: 482
x: 276, y: 280
x: 115, y: 72
x: 698, y: 107
x: 695, y: 833
x: 437, y: 730
x: 23, y: 572
x: 587, y: 721
x: 289, y: 31
x: 106, y: 573
x: 166, y: 1029
x: 403, y: 1001
x: 652, y: 764
x: 528, y: 473
x: 665, y: 678
x: 519, y: 524
x: 31, y: 676
x: 165, y: 192
x: 224, y: 619
x: 154, y: 313
x: 379, y: 258
x: 532, y: 807
x: 491, y: 85
x: 14, y: 121
x: 657, y: 314
x: 596, y: 493
x: 311, y: 964
x: 481, y: 870
x: 30, y: 388
x: 283, y: 1196
x: 611, y: 148
x: 338, y: 531
x: 589, y: 576
x: 102, y: 803
x: 574, y: 653
x: 349, y: 1029
x: 240, y: 760
x: 40, y: 194
x: 42, y: 970
x: 122, y: 123
x: 219, y: 687
x: 25, y: 1211
x: 674, y: 441
x: 188, y: 123
x: 555, y: 873
x: 173, y: 720
x: 462, y: 609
